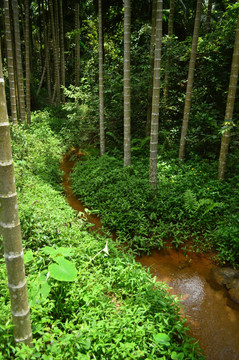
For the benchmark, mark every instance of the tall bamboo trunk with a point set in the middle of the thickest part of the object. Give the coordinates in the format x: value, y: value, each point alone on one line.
x: 18, y: 51
x: 189, y: 89
x: 77, y: 44
x: 155, y: 99
x: 209, y: 13
x: 151, y: 57
x: 167, y: 66
x: 229, y: 107
x: 127, y: 120
x: 57, y: 42
x: 28, y: 71
x: 10, y: 63
x: 101, y: 87
x: 55, y: 52
x: 40, y: 30
x: 46, y: 48
x: 63, y: 79
x: 10, y: 229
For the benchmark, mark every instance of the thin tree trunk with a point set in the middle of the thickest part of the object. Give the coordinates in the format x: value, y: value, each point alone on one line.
x: 40, y: 35
x: 170, y: 33
x: 20, y: 84
x: 10, y: 230
x: 151, y: 56
x: 189, y: 89
x: 10, y: 63
x: 155, y: 99
x: 57, y: 41
x: 46, y: 48
x: 63, y: 79
x: 28, y: 72
x: 77, y: 44
x: 41, y: 82
x: 21, y: 12
x: 31, y: 46
x: 127, y: 141
x: 54, y: 95
x: 230, y: 106
x: 101, y: 87
x: 209, y: 13
x: 55, y: 51
x: 170, y: 20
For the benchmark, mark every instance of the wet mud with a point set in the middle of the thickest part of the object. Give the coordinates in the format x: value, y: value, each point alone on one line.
x: 66, y: 167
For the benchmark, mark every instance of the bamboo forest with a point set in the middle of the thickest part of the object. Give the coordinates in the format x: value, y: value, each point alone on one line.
x: 119, y: 179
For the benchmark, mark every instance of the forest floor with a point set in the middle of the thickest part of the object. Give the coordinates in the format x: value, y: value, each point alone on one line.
x: 88, y: 299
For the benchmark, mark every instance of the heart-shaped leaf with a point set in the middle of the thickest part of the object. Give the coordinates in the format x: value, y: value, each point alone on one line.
x: 162, y: 339
x: 63, y: 271
x: 177, y: 356
x: 28, y: 256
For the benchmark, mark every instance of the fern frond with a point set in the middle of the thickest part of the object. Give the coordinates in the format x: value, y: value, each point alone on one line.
x: 191, y: 203
x: 212, y: 205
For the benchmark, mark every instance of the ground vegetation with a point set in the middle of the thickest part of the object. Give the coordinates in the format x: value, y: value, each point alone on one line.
x: 90, y: 300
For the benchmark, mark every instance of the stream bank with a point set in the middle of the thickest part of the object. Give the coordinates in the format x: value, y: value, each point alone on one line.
x: 212, y: 316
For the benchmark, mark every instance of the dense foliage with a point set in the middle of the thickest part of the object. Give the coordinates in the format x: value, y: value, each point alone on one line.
x: 213, y: 64
x: 189, y: 204
x: 88, y: 299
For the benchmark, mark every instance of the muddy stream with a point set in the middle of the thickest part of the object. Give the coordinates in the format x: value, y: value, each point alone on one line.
x: 212, y: 316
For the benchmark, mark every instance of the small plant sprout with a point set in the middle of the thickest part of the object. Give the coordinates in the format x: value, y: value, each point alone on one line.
x: 105, y: 251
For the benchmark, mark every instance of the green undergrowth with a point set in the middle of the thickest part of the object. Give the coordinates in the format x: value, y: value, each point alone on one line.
x: 88, y: 299
x: 189, y: 204
x: 37, y: 151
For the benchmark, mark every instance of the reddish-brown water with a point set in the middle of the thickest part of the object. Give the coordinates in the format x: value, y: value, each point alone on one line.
x: 212, y: 316
x: 66, y: 166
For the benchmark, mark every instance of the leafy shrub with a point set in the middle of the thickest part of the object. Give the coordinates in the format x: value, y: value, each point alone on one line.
x: 38, y: 150
x: 190, y: 203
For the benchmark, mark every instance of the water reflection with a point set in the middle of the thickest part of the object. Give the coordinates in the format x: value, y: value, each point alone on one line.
x: 212, y: 316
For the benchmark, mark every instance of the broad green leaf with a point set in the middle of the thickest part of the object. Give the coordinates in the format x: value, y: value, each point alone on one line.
x: 28, y: 256
x: 45, y: 290
x: 83, y: 356
x: 63, y: 271
x: 177, y: 356
x: 40, y: 289
x: 86, y: 343
x: 162, y: 339
x: 59, y: 258
x: 60, y: 251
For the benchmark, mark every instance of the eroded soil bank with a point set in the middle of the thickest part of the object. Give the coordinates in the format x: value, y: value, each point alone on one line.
x: 212, y: 316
